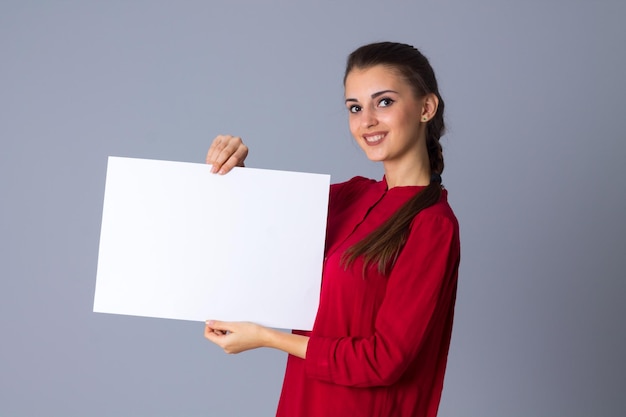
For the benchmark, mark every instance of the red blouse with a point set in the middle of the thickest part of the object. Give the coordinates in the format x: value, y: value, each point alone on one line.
x: 379, y: 345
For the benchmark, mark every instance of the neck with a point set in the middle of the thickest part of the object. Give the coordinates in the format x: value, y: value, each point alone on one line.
x: 414, y: 172
x: 421, y: 177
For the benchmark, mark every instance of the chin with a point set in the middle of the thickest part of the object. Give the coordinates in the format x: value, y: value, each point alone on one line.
x: 375, y: 158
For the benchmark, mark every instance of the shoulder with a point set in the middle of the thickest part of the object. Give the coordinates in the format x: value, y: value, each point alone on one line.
x: 353, y: 183
x: 347, y: 190
x: 439, y: 217
x: 433, y: 241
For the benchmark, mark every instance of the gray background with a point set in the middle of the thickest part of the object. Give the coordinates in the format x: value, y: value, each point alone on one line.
x: 535, y: 97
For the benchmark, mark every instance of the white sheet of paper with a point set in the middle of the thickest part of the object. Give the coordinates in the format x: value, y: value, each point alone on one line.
x: 179, y: 242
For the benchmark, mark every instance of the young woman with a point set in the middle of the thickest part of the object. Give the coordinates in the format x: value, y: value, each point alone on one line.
x: 380, y: 341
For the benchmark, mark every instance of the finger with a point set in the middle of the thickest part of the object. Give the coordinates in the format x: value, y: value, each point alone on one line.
x: 230, y: 153
x: 222, y: 326
x: 236, y: 159
x: 216, y: 331
x: 209, y: 334
x: 211, y: 151
x: 216, y: 147
x: 215, y: 335
x: 222, y: 148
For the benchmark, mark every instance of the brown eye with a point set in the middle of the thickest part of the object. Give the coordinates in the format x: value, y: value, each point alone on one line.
x: 385, y: 102
x: 354, y: 109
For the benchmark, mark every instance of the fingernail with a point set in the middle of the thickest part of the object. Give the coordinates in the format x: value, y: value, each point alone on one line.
x: 210, y: 322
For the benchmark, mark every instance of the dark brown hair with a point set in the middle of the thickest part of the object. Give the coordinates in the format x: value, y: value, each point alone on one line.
x: 383, y: 245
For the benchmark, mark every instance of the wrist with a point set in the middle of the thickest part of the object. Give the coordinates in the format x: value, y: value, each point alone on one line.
x: 268, y: 337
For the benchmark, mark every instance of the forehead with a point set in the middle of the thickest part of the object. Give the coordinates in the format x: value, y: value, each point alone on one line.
x: 372, y: 79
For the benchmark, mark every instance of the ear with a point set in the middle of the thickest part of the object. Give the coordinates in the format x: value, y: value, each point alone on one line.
x: 429, y: 108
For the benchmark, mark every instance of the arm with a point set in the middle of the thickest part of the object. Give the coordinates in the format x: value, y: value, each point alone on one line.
x: 413, y: 317
x: 225, y: 153
x: 236, y: 337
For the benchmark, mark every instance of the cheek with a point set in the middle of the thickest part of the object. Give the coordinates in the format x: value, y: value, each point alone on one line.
x: 408, y: 121
x: 354, y: 127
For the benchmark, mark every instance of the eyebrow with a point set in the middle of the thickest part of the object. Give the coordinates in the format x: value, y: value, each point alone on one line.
x: 377, y: 94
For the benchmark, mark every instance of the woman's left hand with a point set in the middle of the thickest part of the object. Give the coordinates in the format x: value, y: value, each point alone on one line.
x: 235, y: 337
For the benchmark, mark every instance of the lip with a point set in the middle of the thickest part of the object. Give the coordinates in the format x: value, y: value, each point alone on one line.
x: 374, y: 138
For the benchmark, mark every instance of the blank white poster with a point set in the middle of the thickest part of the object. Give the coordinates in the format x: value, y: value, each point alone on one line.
x: 179, y: 242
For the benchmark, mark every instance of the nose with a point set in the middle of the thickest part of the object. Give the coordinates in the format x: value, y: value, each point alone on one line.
x: 368, y: 117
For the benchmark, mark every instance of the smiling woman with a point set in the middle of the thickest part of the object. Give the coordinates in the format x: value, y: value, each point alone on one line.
x: 383, y: 109
x: 380, y: 340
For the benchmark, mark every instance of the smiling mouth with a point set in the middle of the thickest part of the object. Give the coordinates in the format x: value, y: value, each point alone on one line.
x: 374, y: 139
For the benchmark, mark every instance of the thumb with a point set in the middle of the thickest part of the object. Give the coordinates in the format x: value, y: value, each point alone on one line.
x: 218, y: 325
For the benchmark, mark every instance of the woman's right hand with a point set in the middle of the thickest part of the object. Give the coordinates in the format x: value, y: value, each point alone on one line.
x: 226, y: 152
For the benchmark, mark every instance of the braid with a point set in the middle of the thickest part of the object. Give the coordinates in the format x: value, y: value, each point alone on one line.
x: 434, y: 130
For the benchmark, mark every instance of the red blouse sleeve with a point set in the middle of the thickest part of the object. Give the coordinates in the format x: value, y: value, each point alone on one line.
x: 420, y: 293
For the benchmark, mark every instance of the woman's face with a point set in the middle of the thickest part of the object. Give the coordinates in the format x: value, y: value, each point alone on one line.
x: 384, y: 114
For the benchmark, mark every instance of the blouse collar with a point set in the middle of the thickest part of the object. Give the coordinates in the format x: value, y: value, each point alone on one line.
x: 401, y: 190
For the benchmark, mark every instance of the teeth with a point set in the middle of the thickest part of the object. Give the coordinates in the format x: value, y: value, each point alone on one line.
x: 374, y: 138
